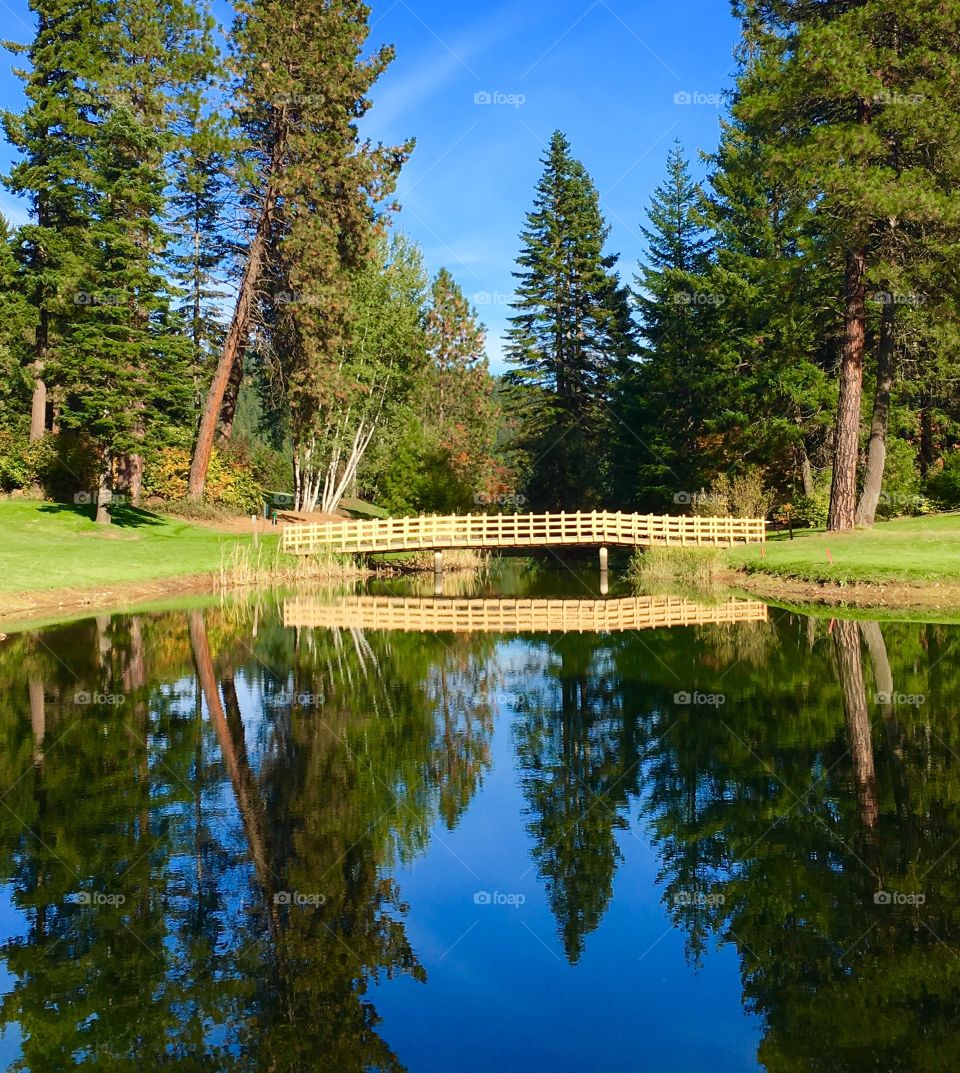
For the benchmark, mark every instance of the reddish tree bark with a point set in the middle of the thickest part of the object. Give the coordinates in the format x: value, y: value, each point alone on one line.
x: 233, y: 346
x: 228, y: 411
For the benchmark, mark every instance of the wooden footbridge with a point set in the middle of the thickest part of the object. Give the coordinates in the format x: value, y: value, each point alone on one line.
x: 513, y: 616
x: 492, y: 531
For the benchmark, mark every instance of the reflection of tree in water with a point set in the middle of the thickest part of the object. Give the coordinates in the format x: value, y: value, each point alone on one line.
x: 579, y: 765
x: 804, y: 813
x: 198, y: 965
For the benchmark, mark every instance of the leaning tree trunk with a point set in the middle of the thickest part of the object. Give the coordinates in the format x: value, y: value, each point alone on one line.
x: 231, y: 397
x: 843, y: 494
x: 233, y: 345
x: 228, y: 726
x: 877, y: 448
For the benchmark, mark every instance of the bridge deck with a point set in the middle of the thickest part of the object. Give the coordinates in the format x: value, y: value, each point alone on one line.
x: 492, y: 531
x: 513, y: 616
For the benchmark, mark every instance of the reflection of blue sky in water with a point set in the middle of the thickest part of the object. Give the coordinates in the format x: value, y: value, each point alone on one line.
x: 504, y: 997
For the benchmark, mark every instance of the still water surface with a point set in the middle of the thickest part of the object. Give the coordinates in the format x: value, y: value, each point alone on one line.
x: 230, y: 843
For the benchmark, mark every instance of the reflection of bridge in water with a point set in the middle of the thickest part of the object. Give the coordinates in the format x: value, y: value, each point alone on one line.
x: 514, y: 615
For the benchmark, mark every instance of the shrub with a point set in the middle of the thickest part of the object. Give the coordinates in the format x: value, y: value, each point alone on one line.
x: 813, y: 510
x: 901, y: 492
x: 944, y: 486
x: 14, y: 469
x: 60, y: 465
x: 744, y: 496
x: 228, y: 486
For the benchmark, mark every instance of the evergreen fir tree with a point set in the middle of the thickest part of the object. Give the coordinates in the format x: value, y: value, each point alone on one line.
x: 775, y: 323
x: 52, y: 136
x: 667, y: 400
x: 459, y: 390
x: 570, y: 334
x: 313, y: 187
x: 201, y: 249
x: 857, y: 108
x: 17, y: 327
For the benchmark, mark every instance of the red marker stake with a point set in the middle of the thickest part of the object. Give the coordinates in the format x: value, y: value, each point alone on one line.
x: 829, y: 557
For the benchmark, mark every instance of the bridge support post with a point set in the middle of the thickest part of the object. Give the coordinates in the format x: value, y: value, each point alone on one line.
x: 604, y: 576
x: 438, y: 573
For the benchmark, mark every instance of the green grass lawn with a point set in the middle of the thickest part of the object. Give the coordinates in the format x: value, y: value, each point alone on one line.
x: 915, y: 550
x: 46, y: 546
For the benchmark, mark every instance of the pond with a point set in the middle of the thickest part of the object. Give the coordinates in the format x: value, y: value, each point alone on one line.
x: 343, y: 834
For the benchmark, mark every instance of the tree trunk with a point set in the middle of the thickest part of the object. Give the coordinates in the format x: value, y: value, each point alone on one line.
x: 877, y: 448
x: 806, y: 472
x: 927, y: 448
x: 38, y: 408
x: 130, y: 477
x: 850, y: 662
x: 843, y: 494
x: 228, y: 411
x: 105, y: 493
x: 233, y: 345
x: 38, y: 716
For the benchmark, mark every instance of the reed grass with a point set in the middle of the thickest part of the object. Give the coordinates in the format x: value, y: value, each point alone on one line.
x: 248, y: 567
x: 696, y: 568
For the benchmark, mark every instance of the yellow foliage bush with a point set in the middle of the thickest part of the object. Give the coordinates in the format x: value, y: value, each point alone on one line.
x: 228, y: 484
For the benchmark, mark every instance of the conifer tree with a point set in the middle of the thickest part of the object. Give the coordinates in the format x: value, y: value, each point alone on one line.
x: 569, y: 335
x: 312, y: 187
x: 52, y: 137
x: 95, y: 139
x: 459, y: 391
x: 201, y: 250
x: 17, y: 325
x: 857, y: 105
x: 664, y: 402
x: 772, y: 286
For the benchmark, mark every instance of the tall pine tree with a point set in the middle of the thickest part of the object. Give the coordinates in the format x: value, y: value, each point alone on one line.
x: 665, y: 401
x: 569, y: 335
x: 312, y: 188
x: 52, y: 136
x: 857, y: 105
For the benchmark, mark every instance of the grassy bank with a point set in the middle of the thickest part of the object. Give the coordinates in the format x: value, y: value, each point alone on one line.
x: 50, y: 546
x: 54, y: 555
x: 912, y: 551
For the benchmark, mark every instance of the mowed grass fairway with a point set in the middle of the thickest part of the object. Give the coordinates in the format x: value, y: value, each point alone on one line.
x: 46, y: 546
x: 910, y: 550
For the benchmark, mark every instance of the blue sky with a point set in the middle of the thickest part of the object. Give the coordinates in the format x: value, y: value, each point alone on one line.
x: 606, y: 72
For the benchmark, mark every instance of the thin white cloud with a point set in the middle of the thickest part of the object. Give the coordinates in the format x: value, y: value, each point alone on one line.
x: 442, y: 63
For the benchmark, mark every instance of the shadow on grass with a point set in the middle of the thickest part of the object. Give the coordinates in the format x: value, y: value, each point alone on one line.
x: 124, y: 517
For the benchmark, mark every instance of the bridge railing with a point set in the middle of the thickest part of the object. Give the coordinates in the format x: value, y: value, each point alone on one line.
x: 518, y: 531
